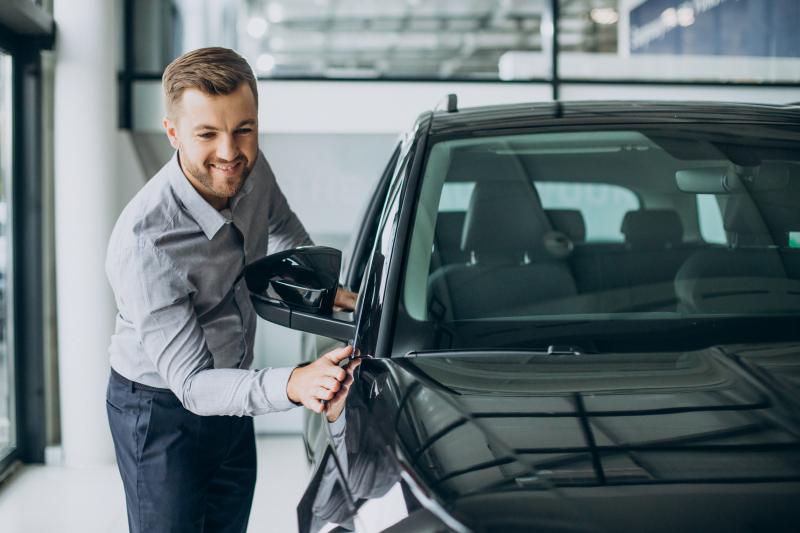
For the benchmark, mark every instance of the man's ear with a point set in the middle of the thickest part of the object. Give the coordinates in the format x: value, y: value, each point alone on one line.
x: 172, y: 133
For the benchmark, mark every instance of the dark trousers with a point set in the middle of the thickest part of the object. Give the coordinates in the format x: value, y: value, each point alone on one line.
x: 181, y: 471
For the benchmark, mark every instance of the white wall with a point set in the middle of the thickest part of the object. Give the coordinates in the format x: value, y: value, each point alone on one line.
x: 85, y: 195
x: 346, y: 107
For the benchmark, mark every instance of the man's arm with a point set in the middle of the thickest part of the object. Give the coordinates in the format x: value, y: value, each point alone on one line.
x: 158, y: 303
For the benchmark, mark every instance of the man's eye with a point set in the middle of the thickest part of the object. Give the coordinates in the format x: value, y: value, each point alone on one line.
x: 206, y: 135
x: 244, y: 131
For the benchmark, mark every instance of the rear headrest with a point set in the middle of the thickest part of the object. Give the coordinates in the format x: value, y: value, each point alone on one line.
x: 504, y: 220
x: 569, y: 222
x: 652, y: 227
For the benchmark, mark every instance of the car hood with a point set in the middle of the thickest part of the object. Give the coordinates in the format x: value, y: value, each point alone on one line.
x: 474, y: 423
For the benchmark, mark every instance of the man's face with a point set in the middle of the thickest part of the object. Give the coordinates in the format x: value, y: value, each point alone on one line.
x: 217, y: 140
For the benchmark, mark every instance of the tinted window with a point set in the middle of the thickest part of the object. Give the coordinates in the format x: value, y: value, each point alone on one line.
x: 654, y: 222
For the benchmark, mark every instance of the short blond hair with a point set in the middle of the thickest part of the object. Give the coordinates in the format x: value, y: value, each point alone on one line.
x: 212, y: 70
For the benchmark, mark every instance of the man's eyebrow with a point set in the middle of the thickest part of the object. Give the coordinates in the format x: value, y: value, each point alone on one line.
x: 247, y: 122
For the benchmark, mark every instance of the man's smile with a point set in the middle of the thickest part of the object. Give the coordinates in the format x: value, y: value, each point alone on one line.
x: 229, y: 169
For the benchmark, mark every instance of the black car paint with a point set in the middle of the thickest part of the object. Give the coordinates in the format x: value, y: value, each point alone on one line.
x: 499, y: 416
x: 377, y: 402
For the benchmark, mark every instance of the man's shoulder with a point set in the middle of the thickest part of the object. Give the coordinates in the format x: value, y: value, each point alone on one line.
x: 150, y: 213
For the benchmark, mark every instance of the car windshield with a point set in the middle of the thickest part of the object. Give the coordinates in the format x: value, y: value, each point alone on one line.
x: 662, y: 222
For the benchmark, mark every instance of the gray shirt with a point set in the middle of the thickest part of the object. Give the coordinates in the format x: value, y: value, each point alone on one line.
x: 185, y: 320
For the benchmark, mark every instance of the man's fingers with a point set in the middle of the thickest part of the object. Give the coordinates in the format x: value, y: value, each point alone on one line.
x: 315, y: 405
x: 336, y: 373
x: 345, y: 299
x: 329, y: 383
x: 339, y: 354
x: 324, y: 394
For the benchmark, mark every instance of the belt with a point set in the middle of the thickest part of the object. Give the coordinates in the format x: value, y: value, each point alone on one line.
x: 135, y: 385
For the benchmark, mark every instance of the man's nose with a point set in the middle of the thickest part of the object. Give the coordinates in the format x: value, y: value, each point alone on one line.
x: 227, y: 149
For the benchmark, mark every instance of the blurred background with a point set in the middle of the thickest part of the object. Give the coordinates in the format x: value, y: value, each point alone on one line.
x: 339, y: 80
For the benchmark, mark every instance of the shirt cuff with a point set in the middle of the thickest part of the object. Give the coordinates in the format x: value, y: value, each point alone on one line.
x: 338, y: 426
x: 275, y: 383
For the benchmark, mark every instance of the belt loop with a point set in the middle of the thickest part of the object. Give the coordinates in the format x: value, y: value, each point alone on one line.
x: 132, y: 385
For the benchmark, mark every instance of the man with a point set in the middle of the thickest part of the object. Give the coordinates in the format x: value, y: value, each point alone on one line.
x: 181, y: 395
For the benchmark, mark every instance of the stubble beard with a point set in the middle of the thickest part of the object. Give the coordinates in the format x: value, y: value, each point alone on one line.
x: 203, y: 176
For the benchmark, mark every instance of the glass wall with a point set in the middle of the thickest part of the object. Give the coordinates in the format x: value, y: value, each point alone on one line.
x: 734, y: 41
x: 7, y: 395
x: 370, y: 39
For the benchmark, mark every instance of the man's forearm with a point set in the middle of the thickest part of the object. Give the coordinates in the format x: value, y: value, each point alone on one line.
x: 236, y: 392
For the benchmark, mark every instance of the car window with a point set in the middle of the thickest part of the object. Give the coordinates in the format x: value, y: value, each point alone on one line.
x: 710, y: 219
x: 548, y: 225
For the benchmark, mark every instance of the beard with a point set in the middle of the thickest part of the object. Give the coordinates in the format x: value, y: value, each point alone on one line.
x: 230, y: 186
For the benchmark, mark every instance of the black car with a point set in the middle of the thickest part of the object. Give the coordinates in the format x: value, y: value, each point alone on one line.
x: 571, y: 317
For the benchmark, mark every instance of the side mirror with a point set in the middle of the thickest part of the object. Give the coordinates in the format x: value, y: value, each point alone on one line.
x: 296, y: 289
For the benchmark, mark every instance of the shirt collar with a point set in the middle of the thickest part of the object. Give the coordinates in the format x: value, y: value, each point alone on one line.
x: 209, y: 219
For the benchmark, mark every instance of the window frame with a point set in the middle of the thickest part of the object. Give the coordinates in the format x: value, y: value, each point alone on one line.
x: 26, y: 29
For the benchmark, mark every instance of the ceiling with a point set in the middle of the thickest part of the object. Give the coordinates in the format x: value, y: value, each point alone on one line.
x: 430, y: 39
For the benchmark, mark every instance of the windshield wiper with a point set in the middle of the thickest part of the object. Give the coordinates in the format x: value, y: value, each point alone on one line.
x: 554, y: 350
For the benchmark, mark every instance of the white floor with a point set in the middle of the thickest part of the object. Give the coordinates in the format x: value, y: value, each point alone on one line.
x: 42, y: 499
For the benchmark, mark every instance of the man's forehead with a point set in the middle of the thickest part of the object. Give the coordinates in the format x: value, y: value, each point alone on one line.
x: 198, y: 107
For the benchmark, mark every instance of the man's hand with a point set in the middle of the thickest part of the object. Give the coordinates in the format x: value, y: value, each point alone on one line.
x: 345, y: 300
x: 334, y: 407
x: 318, y: 381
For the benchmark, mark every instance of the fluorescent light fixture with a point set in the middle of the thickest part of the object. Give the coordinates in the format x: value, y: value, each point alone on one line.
x: 685, y: 15
x: 257, y: 27
x: 275, y: 12
x: 669, y: 17
x: 265, y: 63
x: 604, y: 15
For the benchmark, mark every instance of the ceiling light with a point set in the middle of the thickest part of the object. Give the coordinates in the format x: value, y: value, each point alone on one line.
x: 275, y: 12
x: 257, y: 27
x: 685, y: 16
x: 604, y: 15
x: 669, y: 17
x: 265, y: 63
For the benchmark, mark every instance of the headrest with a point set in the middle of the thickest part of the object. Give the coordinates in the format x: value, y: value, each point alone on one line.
x: 652, y: 227
x: 504, y: 220
x: 569, y: 222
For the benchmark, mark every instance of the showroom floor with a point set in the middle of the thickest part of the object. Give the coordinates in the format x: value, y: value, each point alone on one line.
x: 49, y: 498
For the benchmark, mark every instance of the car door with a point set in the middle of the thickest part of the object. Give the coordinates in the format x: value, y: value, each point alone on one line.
x: 329, y: 498
x: 312, y: 346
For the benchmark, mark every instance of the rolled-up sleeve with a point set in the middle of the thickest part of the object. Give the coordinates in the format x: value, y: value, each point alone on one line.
x: 153, y: 295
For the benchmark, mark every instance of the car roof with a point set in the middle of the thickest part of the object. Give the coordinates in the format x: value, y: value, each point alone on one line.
x: 511, y: 116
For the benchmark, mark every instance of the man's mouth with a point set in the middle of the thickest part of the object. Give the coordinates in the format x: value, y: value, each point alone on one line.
x: 227, y: 168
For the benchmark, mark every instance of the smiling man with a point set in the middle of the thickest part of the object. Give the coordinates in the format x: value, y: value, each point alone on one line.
x: 181, y: 395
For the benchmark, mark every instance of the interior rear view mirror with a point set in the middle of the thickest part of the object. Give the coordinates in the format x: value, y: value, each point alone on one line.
x: 296, y: 289
x: 709, y: 180
x: 768, y: 176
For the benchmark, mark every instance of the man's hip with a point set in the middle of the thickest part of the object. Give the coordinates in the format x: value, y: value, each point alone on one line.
x: 181, y: 471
